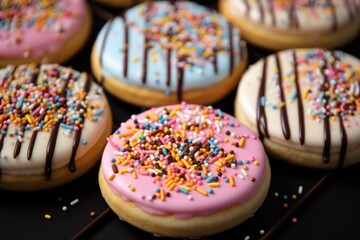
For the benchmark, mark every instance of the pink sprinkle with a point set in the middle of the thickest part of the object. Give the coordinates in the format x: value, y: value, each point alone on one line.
x: 294, y: 220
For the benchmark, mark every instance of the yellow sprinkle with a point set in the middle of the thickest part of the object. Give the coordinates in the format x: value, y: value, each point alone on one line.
x: 134, y: 175
x: 231, y: 181
x: 281, y: 104
x: 137, y: 136
x: 214, y: 184
x: 184, y: 187
x: 112, y: 176
x: 172, y: 186
x: 187, y: 165
x: 202, y: 191
x: 229, y: 157
x: 184, y: 126
x: 126, y: 134
x: 242, y: 142
x: 218, y: 163
x: 122, y: 171
x: 48, y: 216
x: 29, y: 118
x: 162, y: 195
x: 153, y: 116
x: 256, y: 162
x: 132, y: 188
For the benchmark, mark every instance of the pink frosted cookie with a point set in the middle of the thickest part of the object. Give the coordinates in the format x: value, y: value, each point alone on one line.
x: 304, y: 104
x: 53, y: 123
x: 184, y: 171
x: 42, y: 31
x: 164, y: 52
x: 282, y: 24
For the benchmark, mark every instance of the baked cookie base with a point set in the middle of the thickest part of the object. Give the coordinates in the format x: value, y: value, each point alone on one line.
x: 295, y: 156
x: 73, y: 45
x: 197, y: 226
x: 146, y: 97
x: 277, y: 39
x: 62, y: 175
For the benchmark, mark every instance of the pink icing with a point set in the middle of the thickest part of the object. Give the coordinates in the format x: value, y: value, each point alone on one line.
x: 24, y: 34
x: 226, y: 129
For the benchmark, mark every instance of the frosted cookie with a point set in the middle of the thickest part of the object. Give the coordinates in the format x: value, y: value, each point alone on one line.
x: 159, y: 53
x: 304, y: 104
x: 184, y: 171
x: 54, y: 122
x: 42, y: 31
x: 282, y: 24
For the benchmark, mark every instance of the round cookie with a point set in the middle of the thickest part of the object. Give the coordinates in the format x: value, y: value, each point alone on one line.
x: 191, y: 53
x: 280, y: 24
x: 42, y: 31
x: 184, y: 171
x: 54, y: 122
x: 304, y: 104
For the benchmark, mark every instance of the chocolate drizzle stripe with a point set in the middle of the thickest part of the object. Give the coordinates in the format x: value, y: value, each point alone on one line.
x: 50, y: 150
x: 283, y: 110
x: 17, y: 148
x: 103, y: 44
x: 293, y: 20
x: 181, y: 73
x: 261, y: 120
x: 299, y: 102
x: 31, y: 144
x: 327, y: 141
x: 146, y: 48
x: 231, y: 48
x: 168, y: 67
x: 77, y: 137
x: 343, y: 143
x: 126, y: 45
x: 272, y: 13
x: 333, y: 12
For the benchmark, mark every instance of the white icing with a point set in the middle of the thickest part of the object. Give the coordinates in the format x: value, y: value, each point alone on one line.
x: 63, y: 148
x: 318, y: 17
x: 247, y: 97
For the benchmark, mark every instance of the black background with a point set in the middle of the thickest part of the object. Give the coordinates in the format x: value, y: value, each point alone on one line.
x: 329, y: 210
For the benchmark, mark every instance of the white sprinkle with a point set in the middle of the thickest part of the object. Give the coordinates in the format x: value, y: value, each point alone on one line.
x: 241, y: 176
x: 118, y: 153
x: 262, y: 232
x: 300, y: 190
x: 244, y: 172
x: 190, y: 197
x: 3, y: 156
x: 20, y: 138
x: 276, y: 194
x: 64, y: 208
x: 73, y: 202
x: 247, y: 238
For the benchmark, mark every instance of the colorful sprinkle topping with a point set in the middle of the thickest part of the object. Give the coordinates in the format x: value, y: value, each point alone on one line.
x: 37, y: 98
x: 197, y: 36
x: 182, y: 148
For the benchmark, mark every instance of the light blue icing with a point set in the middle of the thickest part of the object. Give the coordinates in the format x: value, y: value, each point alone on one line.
x: 194, y: 76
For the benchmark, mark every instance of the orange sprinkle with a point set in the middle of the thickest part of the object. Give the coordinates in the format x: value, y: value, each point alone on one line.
x: 231, y: 181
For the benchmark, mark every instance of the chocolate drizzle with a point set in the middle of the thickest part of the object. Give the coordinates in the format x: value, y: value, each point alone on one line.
x: 260, y: 108
x: 76, y: 140
x: 283, y: 111
x: 343, y: 143
x: 146, y: 46
x: 299, y: 102
x: 31, y: 144
x: 231, y: 48
x: 333, y: 13
x: 50, y: 150
x: 126, y: 44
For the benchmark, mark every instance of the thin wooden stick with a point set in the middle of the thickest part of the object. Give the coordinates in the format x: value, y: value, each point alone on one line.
x: 304, y: 199
x: 91, y: 225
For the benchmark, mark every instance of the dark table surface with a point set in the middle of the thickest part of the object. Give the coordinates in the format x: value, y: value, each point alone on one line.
x: 327, y: 208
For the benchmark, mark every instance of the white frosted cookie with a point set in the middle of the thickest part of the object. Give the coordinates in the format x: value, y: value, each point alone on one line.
x: 184, y: 171
x: 165, y: 52
x: 282, y: 24
x: 38, y: 31
x: 304, y: 104
x: 53, y: 121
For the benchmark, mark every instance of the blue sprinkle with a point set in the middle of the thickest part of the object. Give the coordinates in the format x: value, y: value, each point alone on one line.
x: 167, y: 92
x: 210, y: 179
x: 239, y: 162
x: 263, y: 101
x: 84, y: 142
x: 117, y: 131
x: 183, y: 190
x: 164, y: 151
x: 157, y: 190
x: 219, y: 112
x: 211, y: 191
x: 247, y: 162
x: 226, y: 180
x: 113, y: 160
